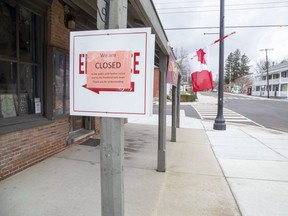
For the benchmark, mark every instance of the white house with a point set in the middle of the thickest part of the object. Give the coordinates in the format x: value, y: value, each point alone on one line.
x: 277, y: 79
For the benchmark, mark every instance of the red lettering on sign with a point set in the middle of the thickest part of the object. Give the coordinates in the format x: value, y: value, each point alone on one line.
x: 136, y: 54
x: 82, y: 59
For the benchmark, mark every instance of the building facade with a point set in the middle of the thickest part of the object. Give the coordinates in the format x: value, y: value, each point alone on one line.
x: 34, y: 74
x: 34, y: 81
x: 277, y: 82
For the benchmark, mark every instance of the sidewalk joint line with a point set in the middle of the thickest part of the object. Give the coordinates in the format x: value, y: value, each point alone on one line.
x: 259, y: 179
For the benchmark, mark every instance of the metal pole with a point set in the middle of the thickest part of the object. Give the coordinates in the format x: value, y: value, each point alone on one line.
x: 178, y: 102
x: 219, y: 123
x: 173, y: 116
x: 112, y: 135
x: 230, y: 78
x: 161, y: 163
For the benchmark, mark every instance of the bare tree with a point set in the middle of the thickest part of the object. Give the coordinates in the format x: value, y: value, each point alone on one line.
x: 261, y: 66
x: 184, y: 67
x: 244, y: 82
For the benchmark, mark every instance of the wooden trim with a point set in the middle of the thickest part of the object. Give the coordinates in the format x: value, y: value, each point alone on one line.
x: 149, y: 16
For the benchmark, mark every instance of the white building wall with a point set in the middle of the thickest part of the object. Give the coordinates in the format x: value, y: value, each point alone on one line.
x: 259, y: 86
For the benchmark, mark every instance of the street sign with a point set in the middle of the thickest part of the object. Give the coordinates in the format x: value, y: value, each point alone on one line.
x: 111, y: 73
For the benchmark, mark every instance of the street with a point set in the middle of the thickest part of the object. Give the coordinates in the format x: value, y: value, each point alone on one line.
x: 258, y: 111
x: 270, y: 113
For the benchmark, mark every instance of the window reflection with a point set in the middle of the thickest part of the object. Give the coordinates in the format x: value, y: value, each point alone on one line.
x: 8, y: 96
x: 7, y: 30
x: 27, y: 34
x: 8, y: 77
x: 26, y: 89
x: 61, y: 83
x: 19, y: 66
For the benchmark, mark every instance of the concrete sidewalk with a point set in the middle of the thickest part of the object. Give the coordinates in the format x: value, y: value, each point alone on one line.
x: 255, y: 163
x: 252, y: 178
x: 69, y: 182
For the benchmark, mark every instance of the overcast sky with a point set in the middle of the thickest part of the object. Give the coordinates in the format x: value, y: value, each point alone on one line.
x: 205, y: 13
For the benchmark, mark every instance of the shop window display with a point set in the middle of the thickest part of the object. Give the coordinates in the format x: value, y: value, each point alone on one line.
x: 19, y: 60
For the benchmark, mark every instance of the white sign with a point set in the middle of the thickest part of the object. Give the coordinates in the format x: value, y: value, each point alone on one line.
x: 111, y: 72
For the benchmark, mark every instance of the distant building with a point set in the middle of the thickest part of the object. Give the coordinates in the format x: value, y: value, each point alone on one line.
x: 278, y: 82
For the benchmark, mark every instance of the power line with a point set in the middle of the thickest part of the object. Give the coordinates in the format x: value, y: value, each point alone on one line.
x: 233, y: 9
x: 215, y: 27
x: 185, y: 2
x: 156, y: 3
x: 228, y: 5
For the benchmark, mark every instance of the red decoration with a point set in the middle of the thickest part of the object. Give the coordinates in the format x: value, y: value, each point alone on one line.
x: 201, y: 56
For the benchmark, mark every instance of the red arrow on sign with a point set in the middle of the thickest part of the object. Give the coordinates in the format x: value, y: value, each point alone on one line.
x: 97, y: 90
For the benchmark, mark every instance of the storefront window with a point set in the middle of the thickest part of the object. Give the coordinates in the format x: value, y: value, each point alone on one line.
x: 28, y: 89
x: 27, y: 37
x: 61, y: 83
x: 19, y: 61
x: 7, y: 30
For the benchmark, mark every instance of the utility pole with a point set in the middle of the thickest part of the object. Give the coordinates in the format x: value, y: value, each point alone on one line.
x: 230, y: 77
x: 267, y: 69
x: 219, y: 123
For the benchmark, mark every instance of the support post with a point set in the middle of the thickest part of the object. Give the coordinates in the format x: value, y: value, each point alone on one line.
x: 112, y: 135
x: 111, y: 159
x: 161, y: 164
x: 174, y: 113
x: 178, y: 101
x: 219, y: 123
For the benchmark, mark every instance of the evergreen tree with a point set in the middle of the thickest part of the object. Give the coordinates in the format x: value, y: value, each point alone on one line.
x: 236, y: 65
x: 228, y: 68
x: 244, y: 68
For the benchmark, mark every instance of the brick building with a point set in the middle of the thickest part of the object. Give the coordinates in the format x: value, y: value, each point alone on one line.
x: 34, y: 90
x: 34, y: 76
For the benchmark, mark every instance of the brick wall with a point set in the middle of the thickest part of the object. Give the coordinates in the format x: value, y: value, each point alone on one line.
x: 19, y: 150
x: 59, y: 34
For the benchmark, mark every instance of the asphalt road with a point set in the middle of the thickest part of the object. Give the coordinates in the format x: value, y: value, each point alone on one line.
x: 270, y: 113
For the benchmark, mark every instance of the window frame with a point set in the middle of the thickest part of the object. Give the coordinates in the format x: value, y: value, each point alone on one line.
x: 66, y: 82
x: 51, y: 83
x: 30, y: 120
